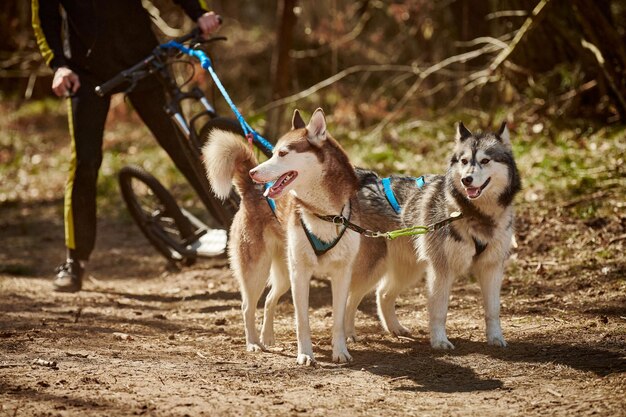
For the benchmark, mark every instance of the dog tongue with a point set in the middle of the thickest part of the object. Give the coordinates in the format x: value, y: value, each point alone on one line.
x: 273, y: 190
x: 472, y: 192
x: 275, y: 187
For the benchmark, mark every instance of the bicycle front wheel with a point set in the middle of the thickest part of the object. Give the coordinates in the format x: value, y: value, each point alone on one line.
x: 157, y: 214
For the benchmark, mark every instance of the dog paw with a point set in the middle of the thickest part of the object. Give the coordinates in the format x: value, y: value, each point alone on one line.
x: 342, y: 356
x: 255, y: 347
x: 306, y: 360
x: 267, y: 340
x: 496, y: 341
x: 441, y: 344
x: 351, y: 335
x: 400, y: 331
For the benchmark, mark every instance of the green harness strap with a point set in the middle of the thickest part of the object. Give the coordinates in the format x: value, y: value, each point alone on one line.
x: 409, y: 231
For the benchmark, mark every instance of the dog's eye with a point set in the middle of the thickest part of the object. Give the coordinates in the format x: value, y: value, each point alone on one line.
x: 282, y: 152
x: 484, y: 161
x: 464, y: 161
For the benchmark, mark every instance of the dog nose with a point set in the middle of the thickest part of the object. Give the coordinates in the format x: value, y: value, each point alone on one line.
x: 252, y: 173
x: 467, y: 180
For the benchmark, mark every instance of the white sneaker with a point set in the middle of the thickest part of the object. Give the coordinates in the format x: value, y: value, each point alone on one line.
x: 212, y: 243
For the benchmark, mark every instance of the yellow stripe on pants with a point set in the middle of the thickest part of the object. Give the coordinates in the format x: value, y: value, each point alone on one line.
x: 46, y: 52
x: 68, y: 213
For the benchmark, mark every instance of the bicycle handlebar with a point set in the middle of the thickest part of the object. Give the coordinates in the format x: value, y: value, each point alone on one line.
x: 129, y: 74
x: 126, y: 75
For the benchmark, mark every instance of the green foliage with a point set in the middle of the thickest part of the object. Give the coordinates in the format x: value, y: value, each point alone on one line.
x: 558, y: 162
x: 36, y: 109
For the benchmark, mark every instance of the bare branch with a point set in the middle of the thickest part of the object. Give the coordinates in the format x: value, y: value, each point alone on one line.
x: 526, y: 27
x: 464, y: 57
x: 602, y: 63
x: 480, y: 78
x: 324, y: 49
x: 480, y: 40
x: 331, y: 80
x: 506, y: 13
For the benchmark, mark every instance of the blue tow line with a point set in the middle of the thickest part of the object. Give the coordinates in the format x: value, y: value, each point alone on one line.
x: 205, y: 62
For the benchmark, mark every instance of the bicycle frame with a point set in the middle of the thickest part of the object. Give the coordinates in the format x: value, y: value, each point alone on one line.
x: 187, y: 134
x: 182, y: 237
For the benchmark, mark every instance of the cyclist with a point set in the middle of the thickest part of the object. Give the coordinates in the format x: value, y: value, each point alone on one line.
x: 104, y: 37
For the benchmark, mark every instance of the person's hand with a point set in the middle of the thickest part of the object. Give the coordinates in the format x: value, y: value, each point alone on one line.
x: 208, y: 23
x: 65, y: 82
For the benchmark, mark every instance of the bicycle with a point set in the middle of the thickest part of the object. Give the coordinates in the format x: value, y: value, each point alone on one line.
x: 176, y: 233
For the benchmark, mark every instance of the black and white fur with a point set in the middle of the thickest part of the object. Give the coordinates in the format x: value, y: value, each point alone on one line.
x: 481, y: 182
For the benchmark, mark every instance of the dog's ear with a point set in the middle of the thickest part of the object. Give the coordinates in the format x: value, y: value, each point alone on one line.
x: 503, y: 134
x: 461, y: 132
x: 316, y: 129
x: 296, y: 121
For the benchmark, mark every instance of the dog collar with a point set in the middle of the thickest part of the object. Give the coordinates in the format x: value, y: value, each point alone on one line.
x: 391, y: 197
x: 319, y: 246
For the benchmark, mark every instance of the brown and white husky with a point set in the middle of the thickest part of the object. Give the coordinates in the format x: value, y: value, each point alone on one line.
x: 311, y: 176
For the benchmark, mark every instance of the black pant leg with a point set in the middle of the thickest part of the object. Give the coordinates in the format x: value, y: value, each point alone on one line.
x: 149, y: 102
x: 87, y: 114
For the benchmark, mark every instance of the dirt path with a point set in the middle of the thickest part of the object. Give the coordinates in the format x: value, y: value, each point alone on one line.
x: 142, y: 341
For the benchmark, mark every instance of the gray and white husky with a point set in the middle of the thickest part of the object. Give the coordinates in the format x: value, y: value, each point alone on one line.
x: 481, y: 182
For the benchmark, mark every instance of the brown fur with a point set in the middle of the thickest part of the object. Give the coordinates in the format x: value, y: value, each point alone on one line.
x: 260, y: 241
x: 256, y: 237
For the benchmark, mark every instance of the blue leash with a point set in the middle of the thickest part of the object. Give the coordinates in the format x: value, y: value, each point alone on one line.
x: 320, y: 247
x: 250, y: 133
x: 205, y: 62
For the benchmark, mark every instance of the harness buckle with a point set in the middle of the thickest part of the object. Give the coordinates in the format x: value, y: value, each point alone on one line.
x: 371, y: 233
x: 339, y: 220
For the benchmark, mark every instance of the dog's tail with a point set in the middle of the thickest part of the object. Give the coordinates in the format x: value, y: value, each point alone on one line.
x: 228, y: 159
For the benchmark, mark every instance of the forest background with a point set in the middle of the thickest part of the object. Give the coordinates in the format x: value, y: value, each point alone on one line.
x: 393, y: 78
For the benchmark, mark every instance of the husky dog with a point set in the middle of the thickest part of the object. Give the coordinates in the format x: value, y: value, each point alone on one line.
x: 314, y: 176
x: 481, y: 182
x: 257, y: 239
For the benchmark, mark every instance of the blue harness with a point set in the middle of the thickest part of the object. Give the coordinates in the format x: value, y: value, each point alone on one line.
x: 421, y: 182
x: 391, y: 197
x: 319, y: 246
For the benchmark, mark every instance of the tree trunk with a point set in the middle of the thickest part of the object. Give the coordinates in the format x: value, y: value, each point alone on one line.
x: 281, y: 65
x: 611, y: 52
